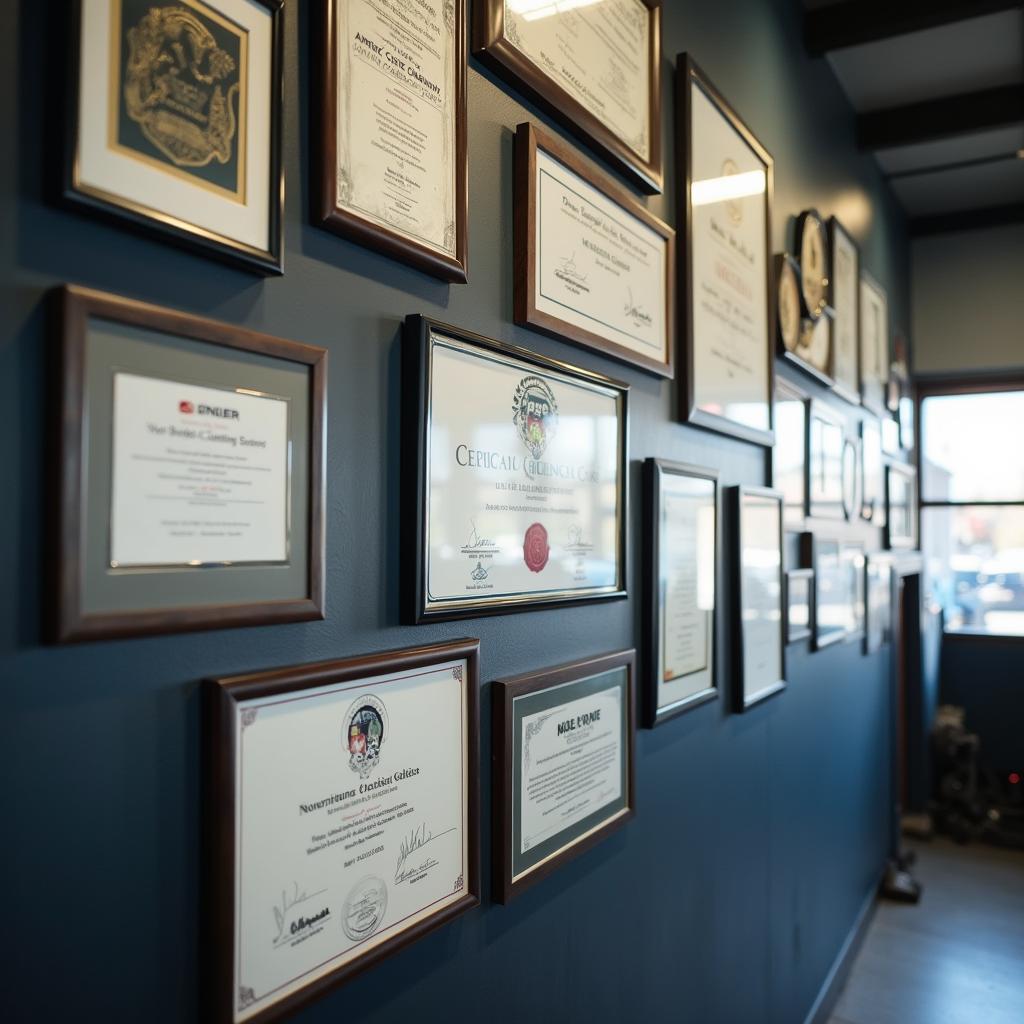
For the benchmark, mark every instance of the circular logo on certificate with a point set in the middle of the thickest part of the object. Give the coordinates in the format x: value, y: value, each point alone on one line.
x: 535, y: 414
x: 365, y: 726
x: 535, y: 548
x: 364, y: 908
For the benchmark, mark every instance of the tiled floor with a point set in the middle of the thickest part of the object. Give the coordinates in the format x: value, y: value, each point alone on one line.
x: 955, y: 958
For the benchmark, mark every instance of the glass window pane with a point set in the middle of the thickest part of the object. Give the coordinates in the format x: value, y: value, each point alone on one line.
x: 965, y: 447
x: 974, y: 563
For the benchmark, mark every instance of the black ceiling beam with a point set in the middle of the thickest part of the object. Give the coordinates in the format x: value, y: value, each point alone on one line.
x: 967, y: 220
x: 853, y: 22
x: 942, y: 118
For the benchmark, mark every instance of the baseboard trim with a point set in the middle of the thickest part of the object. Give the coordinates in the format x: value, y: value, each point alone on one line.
x: 828, y: 996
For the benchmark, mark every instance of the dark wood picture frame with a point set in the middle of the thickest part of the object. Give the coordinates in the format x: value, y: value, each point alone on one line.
x: 850, y: 392
x: 875, y: 402
x: 220, y: 696
x: 73, y: 308
x: 894, y: 540
x: 503, y: 751
x: 346, y: 222
x: 688, y: 72
x: 798, y: 632
x: 416, y: 389
x: 654, y: 471
x: 495, y: 52
x: 737, y: 495
x: 166, y: 227
x: 529, y: 139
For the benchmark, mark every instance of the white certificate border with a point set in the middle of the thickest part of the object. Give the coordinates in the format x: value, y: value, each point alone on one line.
x: 245, y: 713
x: 120, y: 568
x: 430, y: 605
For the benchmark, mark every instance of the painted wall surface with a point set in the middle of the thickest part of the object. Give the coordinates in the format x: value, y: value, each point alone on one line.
x: 758, y: 836
x: 968, y: 303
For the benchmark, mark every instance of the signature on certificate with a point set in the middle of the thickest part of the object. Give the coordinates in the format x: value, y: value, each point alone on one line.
x: 568, y: 268
x: 635, y: 310
x: 475, y: 540
x: 289, y: 901
x: 416, y: 840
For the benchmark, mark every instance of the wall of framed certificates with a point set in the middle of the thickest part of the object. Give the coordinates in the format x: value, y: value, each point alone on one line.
x: 234, y: 605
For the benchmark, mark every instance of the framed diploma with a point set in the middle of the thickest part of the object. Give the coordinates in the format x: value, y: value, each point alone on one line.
x: 789, y: 455
x: 725, y: 266
x: 563, y: 766
x: 592, y: 266
x: 874, y: 343
x: 342, y: 820
x: 799, y: 597
x: 174, y: 122
x: 872, y: 473
x: 825, y: 443
x: 594, y: 68
x: 681, y: 543
x: 812, y: 246
x: 844, y: 298
x: 191, y: 473
x: 514, y: 478
x: 393, y: 165
x: 759, y: 614
x: 878, y: 601
x: 900, y: 506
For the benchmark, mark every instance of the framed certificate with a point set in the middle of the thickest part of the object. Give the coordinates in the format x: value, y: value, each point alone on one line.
x: 393, y: 164
x: 874, y: 343
x: 799, y: 598
x: 514, y: 478
x: 594, y: 68
x: 725, y: 266
x: 758, y: 587
x: 592, y: 266
x: 789, y: 455
x: 825, y: 443
x: 175, y: 122
x: 342, y: 812
x: 681, y: 561
x: 844, y: 298
x: 191, y: 473
x: 900, y: 506
x: 878, y: 602
x: 872, y: 473
x: 563, y: 766
x: 812, y: 246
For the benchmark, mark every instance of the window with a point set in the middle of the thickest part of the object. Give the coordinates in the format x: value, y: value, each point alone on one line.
x: 972, y: 505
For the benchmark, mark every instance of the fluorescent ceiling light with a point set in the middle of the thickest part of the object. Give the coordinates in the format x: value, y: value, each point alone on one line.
x: 730, y: 186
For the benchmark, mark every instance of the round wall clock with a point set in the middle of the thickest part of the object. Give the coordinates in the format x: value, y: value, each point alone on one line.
x: 812, y: 245
x: 788, y: 301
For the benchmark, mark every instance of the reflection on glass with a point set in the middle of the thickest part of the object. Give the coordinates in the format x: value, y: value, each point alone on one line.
x: 788, y: 454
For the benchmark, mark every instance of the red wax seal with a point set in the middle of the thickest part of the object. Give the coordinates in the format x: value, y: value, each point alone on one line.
x: 535, y: 548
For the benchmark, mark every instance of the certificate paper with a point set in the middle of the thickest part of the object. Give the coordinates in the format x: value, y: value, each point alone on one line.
x: 351, y: 823
x: 524, y: 493
x: 598, y: 267
x: 597, y: 53
x: 200, y: 475
x: 396, y: 104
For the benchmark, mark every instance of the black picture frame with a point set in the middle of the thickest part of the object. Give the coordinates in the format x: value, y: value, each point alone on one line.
x: 795, y: 512
x: 738, y: 496
x: 878, y: 601
x: 416, y: 391
x: 824, y: 473
x: 801, y: 583
x: 897, y: 476
x: 654, y: 473
x: 823, y: 555
x: 165, y: 227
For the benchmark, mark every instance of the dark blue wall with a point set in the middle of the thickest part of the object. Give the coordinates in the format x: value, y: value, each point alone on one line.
x: 757, y: 837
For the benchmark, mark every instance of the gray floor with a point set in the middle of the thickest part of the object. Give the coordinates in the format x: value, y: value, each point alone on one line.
x: 955, y: 958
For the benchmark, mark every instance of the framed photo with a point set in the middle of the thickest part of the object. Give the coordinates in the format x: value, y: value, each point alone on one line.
x: 174, y: 122
x: 878, y: 586
x: 758, y: 585
x: 324, y: 863
x: 681, y: 561
x: 563, y: 766
x: 812, y: 247
x: 514, y: 478
x: 833, y: 617
x: 592, y: 266
x: 844, y: 298
x: 593, y: 68
x: 853, y: 560
x: 851, y: 479
x: 900, y: 506
x: 805, y: 343
x: 872, y: 472
x: 874, y: 343
x: 191, y: 473
x: 825, y: 443
x: 725, y: 284
x: 393, y: 164
x: 799, y: 600
x: 789, y: 455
